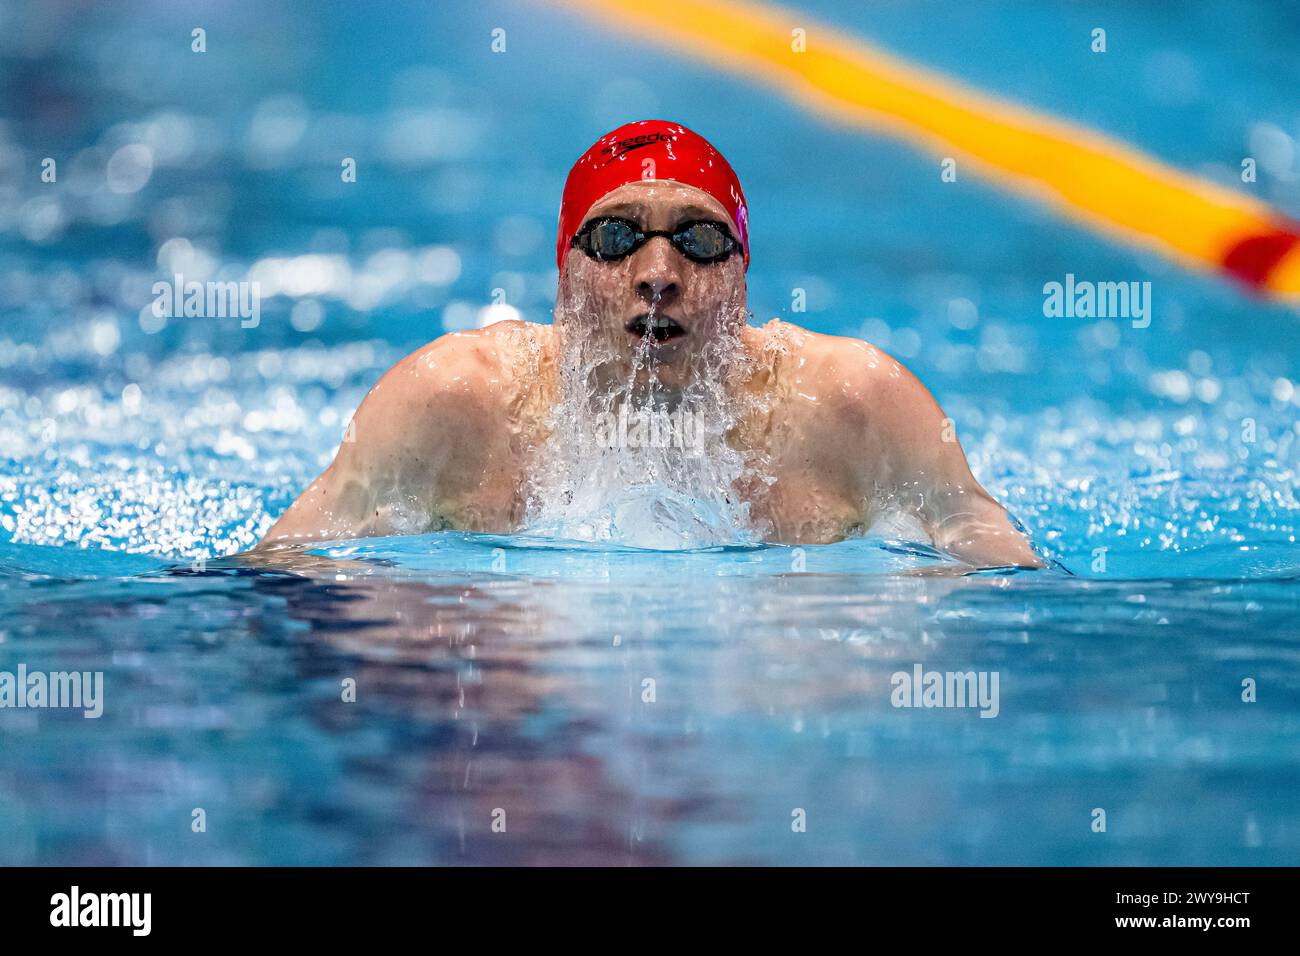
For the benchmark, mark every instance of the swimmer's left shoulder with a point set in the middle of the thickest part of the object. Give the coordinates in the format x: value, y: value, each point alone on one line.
x: 884, y: 389
x: 855, y: 364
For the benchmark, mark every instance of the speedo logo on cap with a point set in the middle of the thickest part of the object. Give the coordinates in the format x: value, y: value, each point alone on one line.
x: 634, y: 142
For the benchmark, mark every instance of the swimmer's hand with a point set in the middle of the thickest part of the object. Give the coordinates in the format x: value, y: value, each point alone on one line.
x: 983, y: 534
x: 957, y: 569
x: 295, y: 559
x: 949, y: 570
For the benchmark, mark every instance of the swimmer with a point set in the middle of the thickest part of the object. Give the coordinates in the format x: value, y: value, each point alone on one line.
x: 653, y: 248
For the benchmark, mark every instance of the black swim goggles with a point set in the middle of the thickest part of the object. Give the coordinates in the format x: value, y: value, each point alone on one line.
x: 609, y: 238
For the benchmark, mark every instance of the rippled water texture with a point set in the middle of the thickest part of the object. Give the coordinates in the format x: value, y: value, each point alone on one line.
x: 138, y: 454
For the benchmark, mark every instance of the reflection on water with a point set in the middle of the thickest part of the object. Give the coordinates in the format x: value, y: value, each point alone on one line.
x: 523, y: 690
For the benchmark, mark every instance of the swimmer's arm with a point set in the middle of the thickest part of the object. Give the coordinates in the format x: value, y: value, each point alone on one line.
x: 335, y: 505
x: 985, y: 539
x: 408, y: 431
x: 928, y: 473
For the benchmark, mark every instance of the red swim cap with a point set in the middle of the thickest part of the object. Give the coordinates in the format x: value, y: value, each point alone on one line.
x: 620, y: 157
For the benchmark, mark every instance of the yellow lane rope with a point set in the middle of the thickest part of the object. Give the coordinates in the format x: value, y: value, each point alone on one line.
x: 1095, y: 179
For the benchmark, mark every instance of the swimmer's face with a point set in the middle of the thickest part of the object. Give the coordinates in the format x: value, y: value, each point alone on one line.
x: 617, y: 298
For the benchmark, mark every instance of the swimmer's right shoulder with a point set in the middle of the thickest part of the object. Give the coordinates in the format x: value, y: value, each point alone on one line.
x: 462, y: 364
x: 447, y: 393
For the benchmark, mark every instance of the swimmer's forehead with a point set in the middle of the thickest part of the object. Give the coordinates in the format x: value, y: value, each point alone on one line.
x: 662, y: 197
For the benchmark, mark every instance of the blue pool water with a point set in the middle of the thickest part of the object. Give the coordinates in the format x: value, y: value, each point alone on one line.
x: 509, y: 673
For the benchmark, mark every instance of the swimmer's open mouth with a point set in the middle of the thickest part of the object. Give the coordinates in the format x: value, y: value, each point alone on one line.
x: 661, y: 328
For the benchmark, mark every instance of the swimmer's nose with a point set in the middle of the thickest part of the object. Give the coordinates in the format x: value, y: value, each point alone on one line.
x: 657, y: 271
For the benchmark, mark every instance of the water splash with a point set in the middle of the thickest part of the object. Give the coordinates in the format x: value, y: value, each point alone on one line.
x: 638, y: 449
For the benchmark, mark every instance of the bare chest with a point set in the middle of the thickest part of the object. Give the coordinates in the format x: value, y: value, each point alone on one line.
x: 801, y: 485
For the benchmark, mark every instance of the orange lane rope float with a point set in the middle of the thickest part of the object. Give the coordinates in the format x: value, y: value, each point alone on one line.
x: 1092, y: 178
